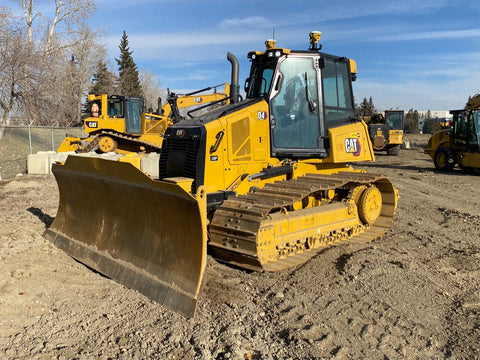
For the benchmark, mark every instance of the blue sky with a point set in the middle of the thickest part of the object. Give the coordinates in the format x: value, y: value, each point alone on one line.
x: 420, y: 54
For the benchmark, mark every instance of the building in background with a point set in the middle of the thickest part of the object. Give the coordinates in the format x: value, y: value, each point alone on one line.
x: 436, y: 117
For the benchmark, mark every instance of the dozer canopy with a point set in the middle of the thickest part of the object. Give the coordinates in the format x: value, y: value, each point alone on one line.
x: 148, y: 235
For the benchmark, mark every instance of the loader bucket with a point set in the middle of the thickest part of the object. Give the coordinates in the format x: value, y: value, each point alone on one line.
x: 147, y: 235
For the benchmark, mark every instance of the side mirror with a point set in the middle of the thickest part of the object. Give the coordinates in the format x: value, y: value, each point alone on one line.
x: 247, y: 85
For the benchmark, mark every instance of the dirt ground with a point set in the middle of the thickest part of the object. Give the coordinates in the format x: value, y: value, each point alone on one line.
x: 414, y: 294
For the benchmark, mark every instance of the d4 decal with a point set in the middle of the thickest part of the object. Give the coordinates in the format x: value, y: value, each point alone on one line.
x: 261, y: 115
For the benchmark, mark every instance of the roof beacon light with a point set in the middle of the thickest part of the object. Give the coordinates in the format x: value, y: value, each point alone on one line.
x: 314, y: 39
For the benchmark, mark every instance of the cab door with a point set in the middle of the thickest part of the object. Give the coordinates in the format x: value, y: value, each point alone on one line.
x: 133, y: 113
x: 294, y: 107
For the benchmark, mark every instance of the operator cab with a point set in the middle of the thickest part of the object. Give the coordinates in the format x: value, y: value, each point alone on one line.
x: 127, y: 107
x: 394, y: 119
x: 465, y: 130
x: 308, y: 92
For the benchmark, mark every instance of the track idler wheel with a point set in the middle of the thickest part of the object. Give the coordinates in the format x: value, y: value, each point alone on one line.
x: 370, y: 205
x: 107, y: 144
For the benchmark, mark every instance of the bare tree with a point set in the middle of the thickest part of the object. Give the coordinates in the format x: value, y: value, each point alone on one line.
x: 152, y: 89
x: 64, y: 34
x: 15, y: 58
x: 84, y: 55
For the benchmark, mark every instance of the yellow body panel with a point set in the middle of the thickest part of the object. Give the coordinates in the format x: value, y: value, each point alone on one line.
x: 134, y: 159
x: 471, y: 160
x: 438, y: 139
x: 69, y: 144
x: 396, y: 137
x: 350, y: 143
x: 96, y: 124
x: 245, y: 150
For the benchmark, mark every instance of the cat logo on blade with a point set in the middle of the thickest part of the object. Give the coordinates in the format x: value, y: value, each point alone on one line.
x: 180, y: 133
x: 352, y: 146
x: 262, y: 115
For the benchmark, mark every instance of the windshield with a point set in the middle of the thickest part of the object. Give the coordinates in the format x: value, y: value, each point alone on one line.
x: 260, y: 79
x: 394, y: 120
x: 114, y: 108
x: 474, y: 128
x: 294, y: 108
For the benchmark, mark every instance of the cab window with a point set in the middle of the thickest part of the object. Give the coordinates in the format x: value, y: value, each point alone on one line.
x: 337, y: 93
x: 261, y: 79
x: 295, y: 107
x: 115, y: 108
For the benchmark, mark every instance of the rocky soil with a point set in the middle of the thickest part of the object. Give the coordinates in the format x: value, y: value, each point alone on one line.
x: 413, y: 294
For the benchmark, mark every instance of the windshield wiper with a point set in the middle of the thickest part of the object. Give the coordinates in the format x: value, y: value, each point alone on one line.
x: 312, y: 106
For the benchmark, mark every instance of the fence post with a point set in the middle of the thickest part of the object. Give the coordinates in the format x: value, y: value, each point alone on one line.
x: 30, y: 138
x: 53, y: 141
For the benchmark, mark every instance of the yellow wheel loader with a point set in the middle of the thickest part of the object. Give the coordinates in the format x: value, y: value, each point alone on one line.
x: 120, y: 123
x: 457, y: 144
x: 265, y: 182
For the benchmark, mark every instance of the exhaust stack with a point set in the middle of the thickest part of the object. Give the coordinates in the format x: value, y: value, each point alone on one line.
x: 234, y: 84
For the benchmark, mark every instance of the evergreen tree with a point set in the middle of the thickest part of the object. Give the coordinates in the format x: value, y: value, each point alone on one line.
x: 371, y: 107
x: 103, y: 81
x: 71, y: 95
x: 411, y: 122
x: 366, y: 108
x: 427, y: 123
x: 129, y: 82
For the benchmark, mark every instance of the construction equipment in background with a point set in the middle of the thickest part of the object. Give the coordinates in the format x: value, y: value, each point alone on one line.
x: 265, y: 182
x: 120, y: 123
x: 457, y: 144
x: 440, y: 125
x: 386, y: 131
x: 473, y: 102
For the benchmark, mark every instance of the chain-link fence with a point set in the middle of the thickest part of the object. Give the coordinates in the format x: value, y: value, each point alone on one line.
x: 19, y: 141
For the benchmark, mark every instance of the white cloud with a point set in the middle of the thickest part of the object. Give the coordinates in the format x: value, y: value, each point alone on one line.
x: 248, y: 22
x: 430, y: 35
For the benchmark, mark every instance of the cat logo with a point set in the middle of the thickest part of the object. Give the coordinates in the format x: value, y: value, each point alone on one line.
x: 180, y: 133
x: 92, y: 124
x: 352, y: 146
x: 197, y: 100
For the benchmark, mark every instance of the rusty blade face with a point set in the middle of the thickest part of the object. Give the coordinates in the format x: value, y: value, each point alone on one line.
x: 148, y: 235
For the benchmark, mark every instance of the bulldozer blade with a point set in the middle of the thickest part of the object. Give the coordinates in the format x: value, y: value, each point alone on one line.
x: 147, y: 235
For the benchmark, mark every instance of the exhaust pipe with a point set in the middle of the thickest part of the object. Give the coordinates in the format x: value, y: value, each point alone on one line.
x: 234, y: 85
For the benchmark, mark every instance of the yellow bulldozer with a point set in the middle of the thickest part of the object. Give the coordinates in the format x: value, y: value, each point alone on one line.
x: 121, y: 124
x: 386, y: 131
x: 264, y: 182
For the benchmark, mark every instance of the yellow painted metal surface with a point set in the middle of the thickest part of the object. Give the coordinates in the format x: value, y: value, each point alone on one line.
x: 395, y: 137
x: 132, y: 158
x: 350, y: 143
x: 471, y: 160
x: 69, y: 144
x: 159, y: 229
